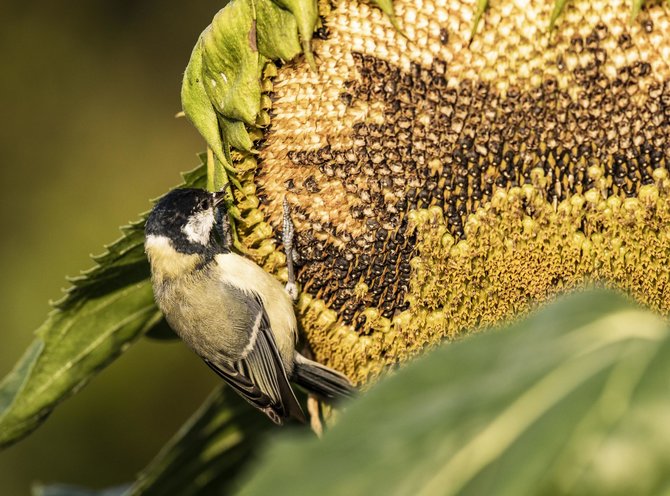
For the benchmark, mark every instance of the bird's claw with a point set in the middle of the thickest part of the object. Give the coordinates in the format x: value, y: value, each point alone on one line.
x: 288, y: 232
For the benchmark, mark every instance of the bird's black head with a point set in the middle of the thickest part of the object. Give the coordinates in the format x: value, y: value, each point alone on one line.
x: 187, y: 218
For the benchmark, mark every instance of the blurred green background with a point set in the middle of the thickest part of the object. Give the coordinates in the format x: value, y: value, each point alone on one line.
x: 89, y: 90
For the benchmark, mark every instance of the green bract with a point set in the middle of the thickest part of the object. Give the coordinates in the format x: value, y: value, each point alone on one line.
x: 306, y: 14
x: 274, y: 43
x: 230, y: 69
x: 197, y: 106
x: 221, y: 90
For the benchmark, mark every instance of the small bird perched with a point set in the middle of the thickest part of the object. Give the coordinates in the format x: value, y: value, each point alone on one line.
x: 238, y: 318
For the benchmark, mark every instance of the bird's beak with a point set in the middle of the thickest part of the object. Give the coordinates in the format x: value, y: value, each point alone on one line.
x: 219, y: 198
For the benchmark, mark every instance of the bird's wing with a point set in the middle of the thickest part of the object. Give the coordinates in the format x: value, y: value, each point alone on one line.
x: 259, y: 376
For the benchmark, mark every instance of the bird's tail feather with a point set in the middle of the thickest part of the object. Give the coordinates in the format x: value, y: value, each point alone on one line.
x: 321, y: 380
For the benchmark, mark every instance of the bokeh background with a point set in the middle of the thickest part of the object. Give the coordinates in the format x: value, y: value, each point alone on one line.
x: 88, y: 91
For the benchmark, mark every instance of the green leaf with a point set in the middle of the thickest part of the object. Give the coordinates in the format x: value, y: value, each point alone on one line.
x: 206, y: 456
x: 208, y: 453
x: 107, y: 308
x: 574, y: 400
x: 306, y: 13
x: 277, y: 31
x: 230, y: 62
x: 73, y: 345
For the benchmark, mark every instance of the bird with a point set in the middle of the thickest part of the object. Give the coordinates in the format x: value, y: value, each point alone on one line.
x: 231, y: 312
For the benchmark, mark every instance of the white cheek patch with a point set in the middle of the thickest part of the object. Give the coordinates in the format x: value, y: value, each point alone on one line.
x: 199, y: 227
x: 154, y: 242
